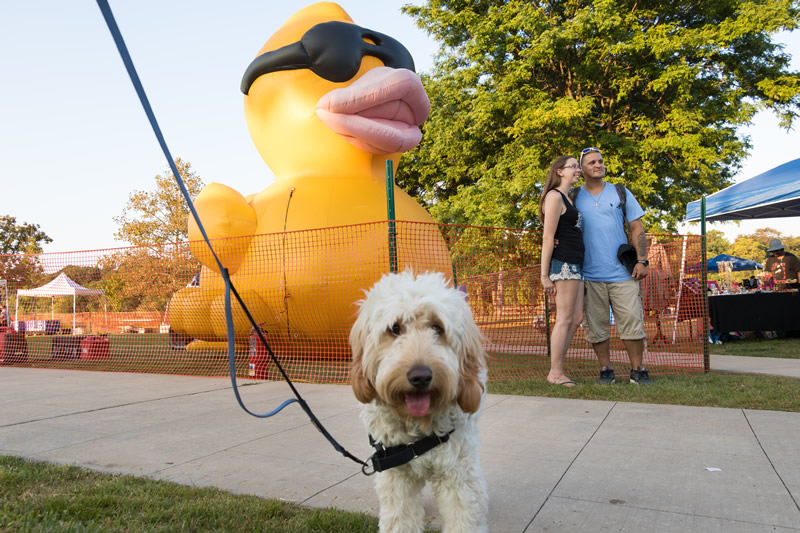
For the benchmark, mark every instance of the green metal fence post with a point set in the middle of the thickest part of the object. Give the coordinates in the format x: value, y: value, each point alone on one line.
x: 391, y: 217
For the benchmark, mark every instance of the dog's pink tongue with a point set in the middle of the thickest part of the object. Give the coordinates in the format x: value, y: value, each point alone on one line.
x: 418, y: 403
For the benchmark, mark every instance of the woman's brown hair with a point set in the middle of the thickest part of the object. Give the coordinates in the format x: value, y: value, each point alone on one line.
x: 553, y: 180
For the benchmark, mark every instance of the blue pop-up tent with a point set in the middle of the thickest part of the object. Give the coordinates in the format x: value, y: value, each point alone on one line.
x: 737, y: 263
x: 773, y: 194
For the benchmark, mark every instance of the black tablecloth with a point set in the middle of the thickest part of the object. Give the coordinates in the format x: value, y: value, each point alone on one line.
x: 760, y: 311
x: 66, y: 346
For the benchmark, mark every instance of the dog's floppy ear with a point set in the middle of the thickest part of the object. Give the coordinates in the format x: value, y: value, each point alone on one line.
x: 473, y: 367
x: 362, y: 387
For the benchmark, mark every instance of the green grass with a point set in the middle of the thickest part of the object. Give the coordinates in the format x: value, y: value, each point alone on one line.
x: 712, y: 389
x: 786, y: 348
x: 42, y: 497
x: 142, y: 353
x: 152, y: 353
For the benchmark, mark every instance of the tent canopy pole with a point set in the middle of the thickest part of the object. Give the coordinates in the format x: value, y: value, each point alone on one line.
x: 704, y: 285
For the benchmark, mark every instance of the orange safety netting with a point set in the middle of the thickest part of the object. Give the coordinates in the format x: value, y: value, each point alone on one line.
x: 161, y: 311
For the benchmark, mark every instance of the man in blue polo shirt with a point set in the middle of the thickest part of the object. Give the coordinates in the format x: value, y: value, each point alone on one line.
x: 608, y: 282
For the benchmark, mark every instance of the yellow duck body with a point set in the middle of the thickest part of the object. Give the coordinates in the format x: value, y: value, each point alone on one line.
x: 297, y: 275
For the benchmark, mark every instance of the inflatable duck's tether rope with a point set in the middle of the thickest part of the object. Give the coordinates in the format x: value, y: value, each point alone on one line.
x: 126, y: 58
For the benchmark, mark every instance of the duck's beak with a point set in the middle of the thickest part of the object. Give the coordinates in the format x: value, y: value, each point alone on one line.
x: 380, y: 112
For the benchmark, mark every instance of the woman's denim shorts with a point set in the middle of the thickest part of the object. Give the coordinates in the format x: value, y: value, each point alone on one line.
x: 560, y: 271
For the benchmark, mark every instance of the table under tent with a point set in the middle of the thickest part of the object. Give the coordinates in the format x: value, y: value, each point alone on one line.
x: 773, y: 194
x: 61, y: 286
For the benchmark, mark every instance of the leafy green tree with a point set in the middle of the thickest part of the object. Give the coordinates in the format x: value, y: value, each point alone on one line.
x: 87, y: 276
x: 792, y: 244
x: 764, y: 235
x: 18, y: 245
x: 22, y: 271
x: 660, y: 87
x: 20, y: 238
x: 716, y: 243
x: 159, y: 216
x: 144, y: 279
x: 748, y: 248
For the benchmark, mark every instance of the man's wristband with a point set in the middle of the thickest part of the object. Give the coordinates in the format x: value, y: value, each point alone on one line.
x: 644, y: 262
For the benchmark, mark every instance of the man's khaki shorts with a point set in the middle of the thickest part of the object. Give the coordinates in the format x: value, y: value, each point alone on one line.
x: 626, y: 304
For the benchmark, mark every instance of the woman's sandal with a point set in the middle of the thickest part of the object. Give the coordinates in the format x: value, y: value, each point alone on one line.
x: 568, y: 383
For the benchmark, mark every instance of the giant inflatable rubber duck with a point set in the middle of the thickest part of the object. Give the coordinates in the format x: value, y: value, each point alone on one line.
x: 327, y: 102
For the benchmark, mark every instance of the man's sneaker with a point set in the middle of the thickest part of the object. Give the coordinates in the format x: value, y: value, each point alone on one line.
x: 641, y: 377
x: 606, y: 376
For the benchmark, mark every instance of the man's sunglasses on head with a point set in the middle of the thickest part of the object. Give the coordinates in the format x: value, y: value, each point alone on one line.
x: 586, y: 151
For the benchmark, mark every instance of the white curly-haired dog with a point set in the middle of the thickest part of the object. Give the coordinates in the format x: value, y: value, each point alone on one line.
x: 419, y: 369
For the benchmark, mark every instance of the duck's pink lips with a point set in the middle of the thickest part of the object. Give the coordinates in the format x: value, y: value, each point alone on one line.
x: 380, y: 112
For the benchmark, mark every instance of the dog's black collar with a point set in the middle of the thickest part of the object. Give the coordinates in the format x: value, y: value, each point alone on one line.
x: 386, y: 458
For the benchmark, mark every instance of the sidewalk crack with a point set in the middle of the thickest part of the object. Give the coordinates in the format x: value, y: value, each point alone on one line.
x: 783, y: 482
x: 303, y: 502
x: 569, y: 466
x: 105, y: 408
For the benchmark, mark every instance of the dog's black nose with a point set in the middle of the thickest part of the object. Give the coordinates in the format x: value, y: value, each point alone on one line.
x: 420, y: 376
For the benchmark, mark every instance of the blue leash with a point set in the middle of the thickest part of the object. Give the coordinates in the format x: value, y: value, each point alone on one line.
x: 137, y: 84
x: 126, y: 58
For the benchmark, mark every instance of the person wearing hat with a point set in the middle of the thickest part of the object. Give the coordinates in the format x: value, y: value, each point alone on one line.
x: 782, y: 265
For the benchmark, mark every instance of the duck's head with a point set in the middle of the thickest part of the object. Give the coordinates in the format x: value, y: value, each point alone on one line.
x: 327, y: 97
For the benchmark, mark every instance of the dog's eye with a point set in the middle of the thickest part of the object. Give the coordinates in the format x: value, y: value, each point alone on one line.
x: 439, y: 330
x: 395, y: 329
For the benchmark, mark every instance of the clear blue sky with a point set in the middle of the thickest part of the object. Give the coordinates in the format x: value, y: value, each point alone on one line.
x: 74, y: 141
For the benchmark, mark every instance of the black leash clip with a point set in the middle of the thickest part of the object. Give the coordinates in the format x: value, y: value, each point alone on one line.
x: 367, y: 465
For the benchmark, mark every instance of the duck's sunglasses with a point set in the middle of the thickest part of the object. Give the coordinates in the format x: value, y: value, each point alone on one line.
x: 331, y: 50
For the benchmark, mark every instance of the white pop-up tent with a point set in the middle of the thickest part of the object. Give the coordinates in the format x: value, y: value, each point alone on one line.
x: 61, y: 286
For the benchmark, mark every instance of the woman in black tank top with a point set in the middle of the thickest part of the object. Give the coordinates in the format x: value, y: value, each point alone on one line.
x: 562, y: 265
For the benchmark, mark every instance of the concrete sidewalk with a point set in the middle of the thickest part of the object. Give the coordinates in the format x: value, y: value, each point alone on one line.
x: 772, y: 366
x: 551, y: 464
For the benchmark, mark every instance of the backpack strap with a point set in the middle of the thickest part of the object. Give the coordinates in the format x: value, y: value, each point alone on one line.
x: 623, y: 197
